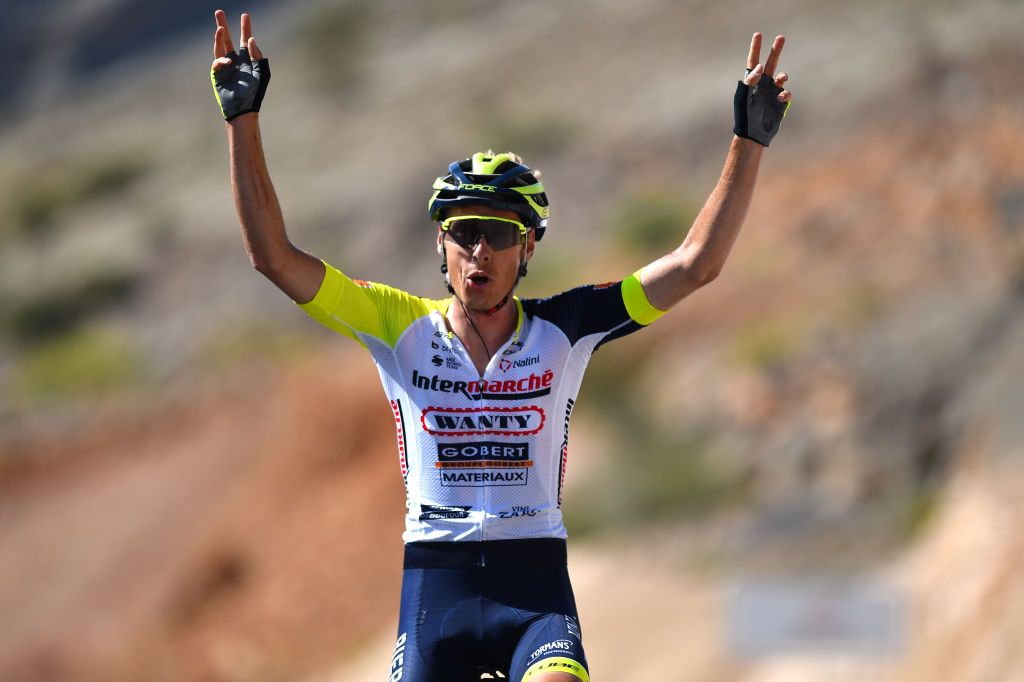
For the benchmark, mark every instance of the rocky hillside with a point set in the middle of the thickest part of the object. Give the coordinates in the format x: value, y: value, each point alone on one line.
x: 50, y: 50
x: 181, y: 479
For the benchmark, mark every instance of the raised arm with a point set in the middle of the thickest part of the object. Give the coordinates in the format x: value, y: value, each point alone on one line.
x: 701, y: 256
x: 239, y: 79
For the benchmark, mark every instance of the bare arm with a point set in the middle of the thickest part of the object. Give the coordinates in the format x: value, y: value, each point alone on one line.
x: 294, y: 271
x: 701, y: 256
x: 297, y: 273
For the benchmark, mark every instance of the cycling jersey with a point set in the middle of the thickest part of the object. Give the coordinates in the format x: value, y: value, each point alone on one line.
x: 483, y: 457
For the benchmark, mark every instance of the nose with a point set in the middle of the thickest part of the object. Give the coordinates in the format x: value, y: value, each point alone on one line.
x: 482, y: 250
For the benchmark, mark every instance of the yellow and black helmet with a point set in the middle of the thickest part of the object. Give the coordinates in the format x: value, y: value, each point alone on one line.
x: 501, y: 181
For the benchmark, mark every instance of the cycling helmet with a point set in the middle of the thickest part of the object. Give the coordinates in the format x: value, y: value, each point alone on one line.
x: 501, y: 181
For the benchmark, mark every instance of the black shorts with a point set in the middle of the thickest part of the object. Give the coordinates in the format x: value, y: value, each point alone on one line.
x: 470, y: 607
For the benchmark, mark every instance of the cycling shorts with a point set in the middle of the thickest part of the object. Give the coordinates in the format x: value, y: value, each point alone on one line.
x: 494, y: 606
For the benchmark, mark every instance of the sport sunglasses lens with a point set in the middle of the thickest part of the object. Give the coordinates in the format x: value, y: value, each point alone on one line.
x: 500, y: 234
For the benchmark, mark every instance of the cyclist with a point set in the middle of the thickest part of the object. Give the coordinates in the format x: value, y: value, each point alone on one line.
x: 482, y: 384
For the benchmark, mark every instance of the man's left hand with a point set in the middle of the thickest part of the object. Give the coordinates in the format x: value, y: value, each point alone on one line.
x: 761, y: 99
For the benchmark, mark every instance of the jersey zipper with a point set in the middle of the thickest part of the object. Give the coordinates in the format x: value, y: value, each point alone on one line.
x: 483, y: 497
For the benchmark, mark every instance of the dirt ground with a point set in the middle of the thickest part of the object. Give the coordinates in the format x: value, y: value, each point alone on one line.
x: 208, y: 537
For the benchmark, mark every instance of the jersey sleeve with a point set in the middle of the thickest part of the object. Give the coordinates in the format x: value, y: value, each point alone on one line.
x: 612, y: 310
x: 356, y: 308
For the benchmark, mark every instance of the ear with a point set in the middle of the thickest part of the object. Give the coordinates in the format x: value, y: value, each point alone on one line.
x: 440, y: 237
x: 530, y: 243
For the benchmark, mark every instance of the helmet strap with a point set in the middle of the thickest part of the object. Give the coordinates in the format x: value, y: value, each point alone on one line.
x: 444, y: 271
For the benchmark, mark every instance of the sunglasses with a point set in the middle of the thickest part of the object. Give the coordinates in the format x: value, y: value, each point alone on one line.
x: 501, y: 233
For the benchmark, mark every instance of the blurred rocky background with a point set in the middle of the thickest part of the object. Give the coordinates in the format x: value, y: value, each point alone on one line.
x: 199, y: 483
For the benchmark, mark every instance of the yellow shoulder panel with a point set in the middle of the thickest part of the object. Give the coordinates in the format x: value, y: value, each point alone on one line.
x: 353, y: 307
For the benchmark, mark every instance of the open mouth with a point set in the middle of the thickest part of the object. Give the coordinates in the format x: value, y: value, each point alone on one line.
x: 478, y: 279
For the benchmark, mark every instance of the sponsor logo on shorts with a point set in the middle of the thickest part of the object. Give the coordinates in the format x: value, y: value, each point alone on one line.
x: 566, y: 665
x: 559, y: 646
x: 573, y: 627
x: 398, y: 659
x: 481, y: 421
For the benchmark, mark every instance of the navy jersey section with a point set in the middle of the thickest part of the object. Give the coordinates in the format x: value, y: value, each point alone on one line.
x: 586, y: 310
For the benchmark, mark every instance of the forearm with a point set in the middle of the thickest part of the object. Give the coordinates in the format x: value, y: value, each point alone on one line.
x: 707, y: 244
x: 259, y: 212
x: 703, y: 253
x: 293, y: 271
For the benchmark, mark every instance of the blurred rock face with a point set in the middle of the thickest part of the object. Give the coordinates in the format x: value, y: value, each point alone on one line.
x: 187, y: 472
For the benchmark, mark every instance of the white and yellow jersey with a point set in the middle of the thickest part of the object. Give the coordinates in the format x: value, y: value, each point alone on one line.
x: 483, y: 457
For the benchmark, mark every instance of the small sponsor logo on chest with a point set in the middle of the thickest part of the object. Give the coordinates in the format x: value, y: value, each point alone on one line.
x: 505, y: 364
x: 434, y: 512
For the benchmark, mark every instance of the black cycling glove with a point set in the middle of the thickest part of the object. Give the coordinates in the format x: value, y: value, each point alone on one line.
x: 757, y: 111
x: 239, y: 87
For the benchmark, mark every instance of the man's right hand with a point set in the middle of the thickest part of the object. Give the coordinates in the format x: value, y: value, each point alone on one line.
x: 239, y: 78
